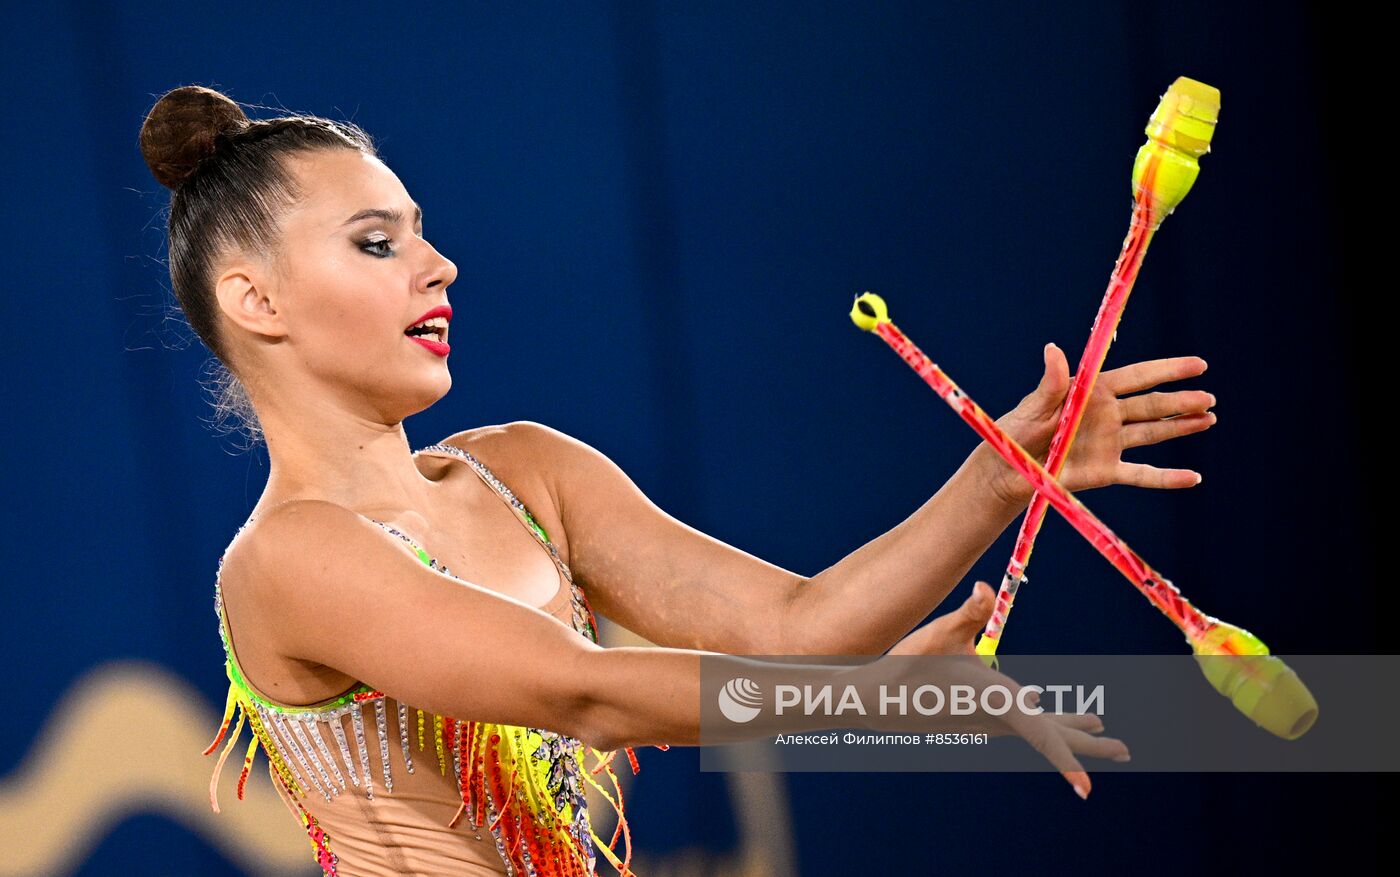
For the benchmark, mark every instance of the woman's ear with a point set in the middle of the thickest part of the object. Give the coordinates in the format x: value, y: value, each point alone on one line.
x: 243, y: 292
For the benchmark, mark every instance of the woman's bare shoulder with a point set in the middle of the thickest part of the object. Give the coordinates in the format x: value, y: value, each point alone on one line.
x: 514, y: 439
x: 519, y: 450
x: 270, y: 581
x: 288, y: 526
x: 524, y: 455
x: 294, y: 514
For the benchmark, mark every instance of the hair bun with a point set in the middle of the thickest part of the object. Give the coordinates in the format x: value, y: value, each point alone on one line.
x: 180, y: 131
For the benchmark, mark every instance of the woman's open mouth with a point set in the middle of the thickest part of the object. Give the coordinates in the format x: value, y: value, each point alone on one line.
x: 428, y: 341
x: 431, y: 330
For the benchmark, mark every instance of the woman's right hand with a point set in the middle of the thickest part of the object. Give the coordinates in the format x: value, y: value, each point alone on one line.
x: 1058, y: 737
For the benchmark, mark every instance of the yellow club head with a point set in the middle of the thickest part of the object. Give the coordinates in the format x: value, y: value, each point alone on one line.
x: 986, y: 649
x: 1260, y: 685
x: 1178, y: 134
x: 868, y: 311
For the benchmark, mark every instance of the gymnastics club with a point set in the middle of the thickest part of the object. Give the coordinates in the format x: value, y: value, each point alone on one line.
x: 1166, y: 166
x: 1257, y: 683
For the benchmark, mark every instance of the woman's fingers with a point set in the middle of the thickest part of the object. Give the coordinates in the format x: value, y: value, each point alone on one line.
x: 1095, y: 747
x: 1047, y: 737
x: 1143, y: 475
x: 1055, y: 736
x: 1135, y: 435
x: 1143, y: 375
x: 1155, y: 406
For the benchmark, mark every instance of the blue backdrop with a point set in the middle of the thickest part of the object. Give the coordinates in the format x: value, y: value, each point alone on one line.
x: 661, y: 213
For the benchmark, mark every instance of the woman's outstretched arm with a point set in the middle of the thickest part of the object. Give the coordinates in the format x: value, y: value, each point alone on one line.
x: 328, y: 587
x: 680, y: 587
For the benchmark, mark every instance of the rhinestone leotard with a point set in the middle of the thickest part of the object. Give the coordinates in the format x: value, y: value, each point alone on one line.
x: 524, y: 785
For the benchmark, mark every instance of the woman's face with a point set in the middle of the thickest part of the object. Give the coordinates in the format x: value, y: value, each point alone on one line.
x: 353, y: 274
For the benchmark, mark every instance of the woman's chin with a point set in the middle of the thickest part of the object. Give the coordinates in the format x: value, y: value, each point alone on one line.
x: 419, y: 392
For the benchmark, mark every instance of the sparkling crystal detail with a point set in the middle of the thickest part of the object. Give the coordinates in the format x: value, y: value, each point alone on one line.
x: 339, y: 731
x: 437, y: 736
x: 496, y: 835
x: 270, y: 722
x: 457, y: 750
x: 300, y: 733
x: 357, y: 720
x: 403, y: 738
x: 381, y: 725
x: 310, y: 721
x: 279, y: 721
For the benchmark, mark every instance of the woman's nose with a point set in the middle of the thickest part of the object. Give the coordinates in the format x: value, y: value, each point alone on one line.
x: 441, y: 273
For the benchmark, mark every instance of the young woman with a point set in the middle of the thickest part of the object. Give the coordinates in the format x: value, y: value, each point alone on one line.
x: 410, y: 635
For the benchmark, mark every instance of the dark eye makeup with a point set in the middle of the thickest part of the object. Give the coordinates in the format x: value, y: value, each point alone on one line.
x: 370, y: 246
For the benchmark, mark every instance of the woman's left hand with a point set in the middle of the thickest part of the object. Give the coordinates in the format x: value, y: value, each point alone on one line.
x: 1113, y: 421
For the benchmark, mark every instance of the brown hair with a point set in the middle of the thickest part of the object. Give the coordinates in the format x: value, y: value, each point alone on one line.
x: 229, y: 185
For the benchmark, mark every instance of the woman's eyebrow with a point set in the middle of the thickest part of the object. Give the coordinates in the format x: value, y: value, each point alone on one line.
x: 387, y: 214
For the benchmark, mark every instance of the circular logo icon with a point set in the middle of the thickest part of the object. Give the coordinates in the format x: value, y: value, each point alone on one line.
x: 740, y: 700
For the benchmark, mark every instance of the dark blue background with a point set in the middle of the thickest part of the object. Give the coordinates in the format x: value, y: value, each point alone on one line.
x: 660, y: 214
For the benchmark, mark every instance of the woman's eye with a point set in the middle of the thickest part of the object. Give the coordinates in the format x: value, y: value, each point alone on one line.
x: 378, y: 248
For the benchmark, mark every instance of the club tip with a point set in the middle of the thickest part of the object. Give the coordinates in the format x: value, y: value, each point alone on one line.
x: 868, y: 311
x: 1186, y: 117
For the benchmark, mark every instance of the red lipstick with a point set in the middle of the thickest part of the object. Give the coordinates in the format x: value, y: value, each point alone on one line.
x: 439, y: 311
x: 439, y: 348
